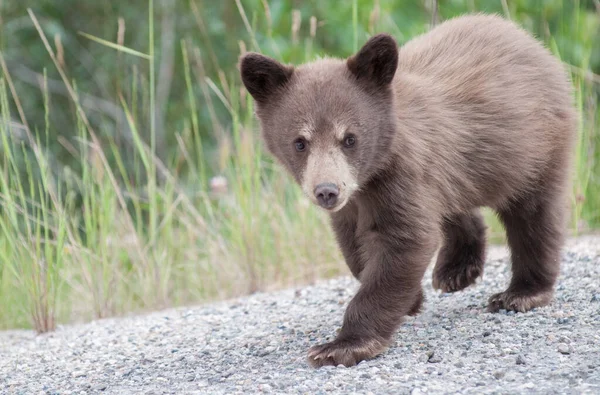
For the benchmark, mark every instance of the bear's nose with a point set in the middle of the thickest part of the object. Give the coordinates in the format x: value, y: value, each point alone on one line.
x: 327, y: 194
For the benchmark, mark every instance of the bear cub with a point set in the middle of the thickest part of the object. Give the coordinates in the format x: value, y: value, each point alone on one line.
x: 402, y: 146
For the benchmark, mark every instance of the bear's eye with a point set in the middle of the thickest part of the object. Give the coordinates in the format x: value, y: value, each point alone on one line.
x: 300, y: 144
x: 349, y: 141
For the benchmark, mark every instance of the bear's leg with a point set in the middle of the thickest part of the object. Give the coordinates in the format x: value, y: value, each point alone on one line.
x: 390, y: 289
x: 418, y: 305
x: 534, y: 229
x: 461, y: 258
x: 344, y: 227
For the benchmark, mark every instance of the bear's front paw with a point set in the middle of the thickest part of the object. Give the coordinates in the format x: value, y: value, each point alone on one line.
x: 344, y: 352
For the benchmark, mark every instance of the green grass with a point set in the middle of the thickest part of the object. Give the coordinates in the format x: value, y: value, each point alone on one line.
x: 106, y: 237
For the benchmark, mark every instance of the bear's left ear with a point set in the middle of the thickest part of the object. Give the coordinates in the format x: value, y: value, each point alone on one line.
x: 377, y: 60
x: 263, y: 76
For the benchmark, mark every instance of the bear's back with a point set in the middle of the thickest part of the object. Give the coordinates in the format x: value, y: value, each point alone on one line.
x: 461, y: 46
x: 497, y: 107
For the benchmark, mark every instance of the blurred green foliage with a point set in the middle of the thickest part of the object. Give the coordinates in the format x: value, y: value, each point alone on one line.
x: 217, y: 29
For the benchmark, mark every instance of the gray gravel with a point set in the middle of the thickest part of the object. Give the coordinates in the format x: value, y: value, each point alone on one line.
x: 259, y: 343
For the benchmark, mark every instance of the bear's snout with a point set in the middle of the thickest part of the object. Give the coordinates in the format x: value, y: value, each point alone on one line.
x: 327, y: 194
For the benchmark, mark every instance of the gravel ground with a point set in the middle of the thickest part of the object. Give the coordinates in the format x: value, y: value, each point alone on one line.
x: 258, y: 344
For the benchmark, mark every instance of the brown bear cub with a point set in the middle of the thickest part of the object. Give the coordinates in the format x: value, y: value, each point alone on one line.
x: 402, y: 146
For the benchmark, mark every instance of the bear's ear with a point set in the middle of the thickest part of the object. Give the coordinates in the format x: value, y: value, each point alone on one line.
x: 377, y: 60
x: 262, y: 76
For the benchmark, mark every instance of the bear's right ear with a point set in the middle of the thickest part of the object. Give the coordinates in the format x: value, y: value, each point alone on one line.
x: 263, y: 76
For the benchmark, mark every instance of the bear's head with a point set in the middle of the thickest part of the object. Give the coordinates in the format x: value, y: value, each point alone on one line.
x: 330, y: 122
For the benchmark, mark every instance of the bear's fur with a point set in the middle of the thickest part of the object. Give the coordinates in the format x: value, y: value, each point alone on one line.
x: 404, y: 145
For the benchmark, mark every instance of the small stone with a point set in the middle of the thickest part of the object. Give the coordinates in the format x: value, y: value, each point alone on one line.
x: 564, y: 349
x: 498, y: 374
x: 78, y: 373
x: 521, y: 360
x: 460, y: 364
x: 99, y: 387
x: 487, y: 333
x: 264, y: 352
x: 434, y: 358
x: 564, y: 339
x: 202, y: 384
